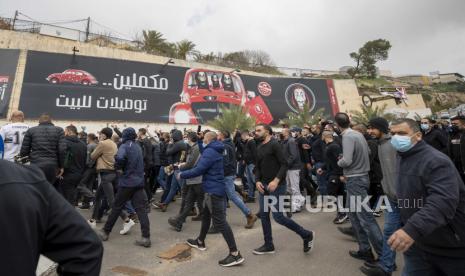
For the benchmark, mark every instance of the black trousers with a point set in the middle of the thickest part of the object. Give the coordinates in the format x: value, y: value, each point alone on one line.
x: 50, y: 171
x: 84, y: 187
x: 194, y: 194
x: 306, y: 181
x: 217, y: 214
x: 68, y: 187
x: 139, y: 201
x: 336, y: 187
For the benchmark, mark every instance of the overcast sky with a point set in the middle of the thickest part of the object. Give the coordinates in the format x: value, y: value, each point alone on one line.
x: 317, y: 34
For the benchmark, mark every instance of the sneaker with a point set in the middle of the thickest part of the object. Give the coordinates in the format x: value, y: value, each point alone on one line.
x: 145, y: 242
x: 309, y: 242
x: 127, y: 227
x: 102, y: 235
x: 374, y: 271
x: 349, y: 231
x: 251, y: 219
x: 156, y: 205
x: 92, y: 223
x: 232, y: 260
x: 175, y: 224
x: 341, y: 218
x: 196, y: 244
x: 84, y: 206
x: 263, y: 250
x: 362, y: 255
x: 134, y: 218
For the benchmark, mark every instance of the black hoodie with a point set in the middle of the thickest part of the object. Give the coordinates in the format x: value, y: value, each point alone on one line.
x: 75, y: 155
x: 174, y: 151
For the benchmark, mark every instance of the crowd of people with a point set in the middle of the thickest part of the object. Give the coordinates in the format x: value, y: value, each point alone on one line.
x: 416, y: 168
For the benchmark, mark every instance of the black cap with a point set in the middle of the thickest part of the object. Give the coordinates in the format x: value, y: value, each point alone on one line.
x: 379, y: 123
x: 107, y: 131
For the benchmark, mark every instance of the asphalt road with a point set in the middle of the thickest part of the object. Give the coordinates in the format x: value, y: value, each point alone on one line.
x: 329, y: 257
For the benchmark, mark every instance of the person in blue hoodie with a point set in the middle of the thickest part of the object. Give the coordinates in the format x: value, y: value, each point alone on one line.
x: 129, y: 159
x: 210, y: 166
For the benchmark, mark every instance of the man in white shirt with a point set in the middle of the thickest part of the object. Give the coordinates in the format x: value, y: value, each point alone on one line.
x: 13, y: 134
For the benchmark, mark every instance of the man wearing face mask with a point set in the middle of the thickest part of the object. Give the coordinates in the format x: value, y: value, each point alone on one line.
x: 433, y: 136
x: 457, y: 144
x: 431, y: 198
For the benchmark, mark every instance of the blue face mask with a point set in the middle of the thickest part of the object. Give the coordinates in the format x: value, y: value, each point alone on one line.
x: 424, y: 126
x: 204, y: 145
x: 401, y: 143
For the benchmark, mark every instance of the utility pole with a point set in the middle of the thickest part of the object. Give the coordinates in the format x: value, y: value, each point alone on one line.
x: 14, y: 20
x: 88, y: 28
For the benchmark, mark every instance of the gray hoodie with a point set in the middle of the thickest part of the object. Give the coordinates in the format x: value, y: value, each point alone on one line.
x: 355, y: 154
x: 388, y: 159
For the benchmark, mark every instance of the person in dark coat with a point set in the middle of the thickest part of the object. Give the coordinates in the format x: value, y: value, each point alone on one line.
x: 431, y: 198
x: 433, y: 136
x: 74, y: 164
x: 210, y: 166
x: 130, y: 161
x: 457, y: 144
x: 43, y: 223
x: 45, y: 147
x: 147, y: 152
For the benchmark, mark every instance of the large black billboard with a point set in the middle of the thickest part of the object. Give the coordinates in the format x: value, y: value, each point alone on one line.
x: 87, y: 88
x: 8, y: 64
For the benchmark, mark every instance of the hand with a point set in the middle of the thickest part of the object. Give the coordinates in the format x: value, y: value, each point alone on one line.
x: 260, y: 187
x: 306, y: 146
x: 273, y: 185
x: 181, y: 164
x: 60, y: 173
x: 343, y: 179
x: 309, y: 166
x: 400, y: 241
x: 319, y: 171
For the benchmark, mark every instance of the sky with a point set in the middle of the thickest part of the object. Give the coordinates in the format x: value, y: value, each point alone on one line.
x: 426, y: 35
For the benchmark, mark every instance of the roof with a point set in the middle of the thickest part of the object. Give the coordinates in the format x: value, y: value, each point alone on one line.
x: 455, y: 74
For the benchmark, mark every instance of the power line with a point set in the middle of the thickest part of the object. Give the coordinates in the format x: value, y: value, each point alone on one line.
x: 111, y: 29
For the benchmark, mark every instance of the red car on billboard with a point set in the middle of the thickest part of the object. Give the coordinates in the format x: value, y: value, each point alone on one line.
x: 204, y: 91
x: 73, y: 76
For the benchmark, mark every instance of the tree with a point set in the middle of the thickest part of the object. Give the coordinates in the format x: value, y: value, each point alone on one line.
x: 232, y: 117
x: 303, y: 117
x: 183, y: 48
x: 153, y: 41
x: 368, y: 113
x: 367, y: 56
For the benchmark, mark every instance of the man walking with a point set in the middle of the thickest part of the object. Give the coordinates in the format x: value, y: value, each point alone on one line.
x: 130, y: 160
x: 13, y: 135
x: 355, y: 162
x: 271, y: 183
x: 210, y: 166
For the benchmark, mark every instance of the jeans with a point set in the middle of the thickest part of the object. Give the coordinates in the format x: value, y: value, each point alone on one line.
x: 241, y: 166
x: 217, y: 214
x: 175, y: 186
x: 278, y: 216
x: 293, y: 188
x: 250, y: 180
x: 194, y: 194
x: 233, y: 196
x: 162, y: 177
x: 322, y: 179
x: 421, y: 263
x: 105, y: 187
x: 365, y: 226
x: 392, y: 223
x: 139, y: 199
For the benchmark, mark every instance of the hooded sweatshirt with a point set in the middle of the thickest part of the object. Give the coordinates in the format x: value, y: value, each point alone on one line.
x: 388, y: 158
x: 75, y: 155
x: 210, y: 165
x: 174, y: 151
x: 130, y: 160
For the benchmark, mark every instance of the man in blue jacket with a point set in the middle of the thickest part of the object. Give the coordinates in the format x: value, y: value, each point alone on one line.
x: 210, y: 166
x: 130, y: 161
x: 431, y: 198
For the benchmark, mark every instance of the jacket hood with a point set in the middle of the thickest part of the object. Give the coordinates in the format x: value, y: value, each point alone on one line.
x: 216, y: 145
x: 129, y: 134
x: 228, y: 141
x: 177, y: 135
x: 73, y: 139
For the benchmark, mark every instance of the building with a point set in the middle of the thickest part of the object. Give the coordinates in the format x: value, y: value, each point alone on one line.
x: 448, y: 77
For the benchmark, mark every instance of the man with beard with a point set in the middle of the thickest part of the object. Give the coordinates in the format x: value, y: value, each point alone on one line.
x: 433, y: 136
x: 271, y: 183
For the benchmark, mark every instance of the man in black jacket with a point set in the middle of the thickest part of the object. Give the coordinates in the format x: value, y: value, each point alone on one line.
x: 45, y: 146
x: 431, y: 198
x: 250, y: 157
x: 147, y: 151
x: 433, y: 136
x: 44, y: 223
x: 74, y: 164
x: 271, y: 183
x: 457, y: 144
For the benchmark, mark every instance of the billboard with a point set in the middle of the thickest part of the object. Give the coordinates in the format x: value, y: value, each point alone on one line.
x: 8, y: 64
x: 88, y: 88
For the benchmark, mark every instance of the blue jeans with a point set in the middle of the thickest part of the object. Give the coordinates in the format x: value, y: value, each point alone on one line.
x: 322, y: 179
x: 279, y: 217
x: 174, y: 187
x: 392, y: 223
x: 421, y: 263
x: 129, y: 208
x: 233, y: 196
x: 250, y: 180
x: 365, y: 226
x: 162, y: 178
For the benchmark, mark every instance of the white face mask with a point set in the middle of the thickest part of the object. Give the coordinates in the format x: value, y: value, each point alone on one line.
x: 294, y: 134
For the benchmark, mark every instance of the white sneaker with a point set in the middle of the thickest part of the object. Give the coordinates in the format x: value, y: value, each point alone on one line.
x: 92, y: 223
x: 127, y: 226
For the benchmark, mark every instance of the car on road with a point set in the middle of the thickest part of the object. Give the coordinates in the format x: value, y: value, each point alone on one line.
x: 73, y: 76
x: 205, y: 91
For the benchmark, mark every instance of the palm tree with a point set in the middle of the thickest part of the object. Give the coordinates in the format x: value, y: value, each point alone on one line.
x: 232, y: 117
x: 368, y: 113
x: 184, y: 47
x: 153, y: 41
x: 303, y: 117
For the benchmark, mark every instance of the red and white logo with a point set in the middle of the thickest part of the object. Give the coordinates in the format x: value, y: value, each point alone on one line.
x: 258, y: 109
x: 264, y: 88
